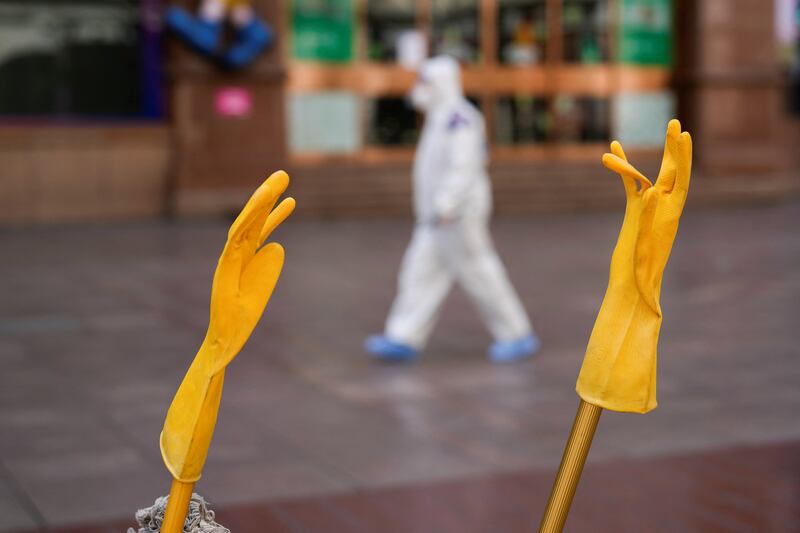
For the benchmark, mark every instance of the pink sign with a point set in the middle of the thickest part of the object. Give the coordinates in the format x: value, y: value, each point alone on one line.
x: 233, y: 102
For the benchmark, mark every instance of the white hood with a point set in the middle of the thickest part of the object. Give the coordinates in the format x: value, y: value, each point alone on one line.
x: 450, y: 179
x: 438, y: 83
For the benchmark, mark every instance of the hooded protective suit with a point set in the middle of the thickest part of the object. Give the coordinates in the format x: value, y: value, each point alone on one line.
x: 452, y: 202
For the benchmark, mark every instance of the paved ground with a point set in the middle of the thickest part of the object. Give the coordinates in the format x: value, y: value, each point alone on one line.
x: 97, y: 325
x: 754, y: 489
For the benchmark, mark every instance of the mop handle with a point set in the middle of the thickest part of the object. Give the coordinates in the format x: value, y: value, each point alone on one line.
x: 569, y: 472
x: 177, y: 507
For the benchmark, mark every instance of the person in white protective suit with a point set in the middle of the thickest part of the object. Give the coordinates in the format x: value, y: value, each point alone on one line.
x: 451, y: 241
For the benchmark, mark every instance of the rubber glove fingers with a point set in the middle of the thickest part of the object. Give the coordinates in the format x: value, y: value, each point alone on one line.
x: 275, y: 218
x: 666, y: 175
x: 255, y: 212
x: 684, y: 163
x: 630, y: 176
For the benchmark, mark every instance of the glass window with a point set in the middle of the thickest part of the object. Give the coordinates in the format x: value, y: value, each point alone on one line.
x: 391, y: 122
x: 71, y: 59
x: 386, y: 21
x: 455, y: 29
x: 586, y: 31
x: 522, y: 32
x: 638, y: 118
x: 322, y: 30
x: 787, y: 31
x: 475, y: 100
x: 581, y: 119
x: 323, y: 122
x: 521, y: 119
x: 644, y: 32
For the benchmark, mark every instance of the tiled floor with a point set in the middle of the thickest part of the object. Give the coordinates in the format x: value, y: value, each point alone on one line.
x: 97, y: 325
x: 753, y: 489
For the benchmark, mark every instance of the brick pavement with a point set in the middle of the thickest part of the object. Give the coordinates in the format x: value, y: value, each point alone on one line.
x: 733, y: 489
x: 98, y: 323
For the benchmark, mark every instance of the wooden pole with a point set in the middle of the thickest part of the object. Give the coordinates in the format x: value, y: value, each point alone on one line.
x: 177, y: 507
x: 569, y: 473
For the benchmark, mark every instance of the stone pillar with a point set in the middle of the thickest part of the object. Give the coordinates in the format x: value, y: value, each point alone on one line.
x: 729, y: 86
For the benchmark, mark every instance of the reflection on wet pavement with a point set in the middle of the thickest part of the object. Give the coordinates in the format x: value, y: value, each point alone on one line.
x: 97, y: 325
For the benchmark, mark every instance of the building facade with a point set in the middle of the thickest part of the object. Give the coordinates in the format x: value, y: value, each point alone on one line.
x: 103, y: 115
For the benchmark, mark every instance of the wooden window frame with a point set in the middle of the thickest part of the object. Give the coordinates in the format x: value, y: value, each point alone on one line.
x: 487, y: 79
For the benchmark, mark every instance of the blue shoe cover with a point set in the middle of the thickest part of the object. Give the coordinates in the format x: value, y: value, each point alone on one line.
x: 195, y: 31
x: 381, y: 347
x: 251, y: 40
x: 508, y: 351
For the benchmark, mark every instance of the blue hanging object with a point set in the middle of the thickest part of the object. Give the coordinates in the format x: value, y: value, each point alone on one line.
x: 251, y: 40
x: 202, y: 35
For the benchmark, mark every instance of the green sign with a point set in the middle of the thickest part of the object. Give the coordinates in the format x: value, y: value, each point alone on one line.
x: 645, y: 35
x: 322, y: 30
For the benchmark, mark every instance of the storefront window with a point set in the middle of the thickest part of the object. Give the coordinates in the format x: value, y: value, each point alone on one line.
x: 522, y: 32
x: 586, y: 31
x: 475, y: 100
x: 324, y: 122
x: 788, y: 33
x: 645, y: 32
x: 455, y: 29
x: 583, y: 119
x: 522, y: 119
x: 535, y: 105
x: 638, y: 118
x: 391, y: 122
x: 322, y: 30
x: 387, y: 20
x: 71, y: 58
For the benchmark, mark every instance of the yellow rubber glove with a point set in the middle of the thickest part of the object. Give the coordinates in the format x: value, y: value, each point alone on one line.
x: 619, y: 369
x: 243, y: 282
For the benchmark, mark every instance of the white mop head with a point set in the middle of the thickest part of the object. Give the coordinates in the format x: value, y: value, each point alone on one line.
x: 199, y: 520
